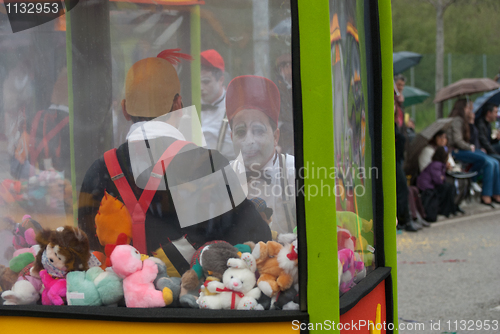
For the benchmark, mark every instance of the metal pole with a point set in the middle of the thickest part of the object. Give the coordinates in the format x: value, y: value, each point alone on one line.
x: 485, y: 69
x: 261, y: 37
x: 412, y: 81
x: 449, y: 81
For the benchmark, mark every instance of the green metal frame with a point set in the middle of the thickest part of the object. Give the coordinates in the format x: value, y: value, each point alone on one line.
x: 388, y: 157
x: 317, y: 106
x: 318, y: 136
x: 69, y: 61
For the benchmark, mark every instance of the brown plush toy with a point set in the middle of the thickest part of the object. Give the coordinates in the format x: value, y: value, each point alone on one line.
x: 272, y: 277
x: 7, y: 278
x: 209, y: 260
x: 62, y: 250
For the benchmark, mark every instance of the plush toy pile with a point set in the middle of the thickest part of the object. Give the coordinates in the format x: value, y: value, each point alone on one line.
x: 355, y: 250
x: 57, y: 267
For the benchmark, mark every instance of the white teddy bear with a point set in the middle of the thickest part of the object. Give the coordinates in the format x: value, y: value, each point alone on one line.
x: 237, y: 290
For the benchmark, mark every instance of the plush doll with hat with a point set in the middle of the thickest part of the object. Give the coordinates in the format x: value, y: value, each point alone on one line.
x: 138, y: 277
x: 62, y: 250
x: 237, y: 289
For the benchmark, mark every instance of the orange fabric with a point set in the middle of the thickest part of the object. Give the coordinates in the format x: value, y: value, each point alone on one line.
x: 112, y: 219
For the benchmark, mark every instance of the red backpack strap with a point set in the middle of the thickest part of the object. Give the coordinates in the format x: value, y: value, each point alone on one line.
x: 138, y: 208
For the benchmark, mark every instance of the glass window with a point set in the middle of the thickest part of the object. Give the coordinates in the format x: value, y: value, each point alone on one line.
x: 353, y: 151
x: 168, y: 128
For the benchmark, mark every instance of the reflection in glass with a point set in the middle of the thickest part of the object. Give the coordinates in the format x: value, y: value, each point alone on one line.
x: 82, y: 131
x: 352, y: 147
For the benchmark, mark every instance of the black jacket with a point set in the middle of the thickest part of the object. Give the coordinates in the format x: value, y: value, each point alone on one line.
x: 484, y: 135
x: 243, y: 223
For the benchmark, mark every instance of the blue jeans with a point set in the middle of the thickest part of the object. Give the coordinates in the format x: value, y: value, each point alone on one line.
x: 484, y: 164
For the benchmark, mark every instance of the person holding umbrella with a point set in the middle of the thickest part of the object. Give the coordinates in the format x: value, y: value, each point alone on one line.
x: 459, y: 142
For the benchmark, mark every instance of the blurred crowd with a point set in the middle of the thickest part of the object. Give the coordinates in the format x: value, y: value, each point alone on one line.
x: 440, y: 167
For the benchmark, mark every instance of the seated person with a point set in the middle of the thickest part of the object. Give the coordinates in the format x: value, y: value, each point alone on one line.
x: 253, y: 107
x: 437, y: 195
x: 152, y: 90
x: 483, y: 125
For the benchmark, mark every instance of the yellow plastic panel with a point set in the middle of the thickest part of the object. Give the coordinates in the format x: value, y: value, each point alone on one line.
x: 46, y: 325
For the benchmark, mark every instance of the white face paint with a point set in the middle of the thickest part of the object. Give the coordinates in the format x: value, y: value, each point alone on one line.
x: 253, y: 135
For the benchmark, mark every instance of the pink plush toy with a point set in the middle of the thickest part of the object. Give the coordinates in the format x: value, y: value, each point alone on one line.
x: 138, y: 277
x: 350, y: 267
x: 54, y: 291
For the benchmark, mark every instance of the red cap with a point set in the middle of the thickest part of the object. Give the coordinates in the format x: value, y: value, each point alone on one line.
x: 212, y: 58
x: 252, y: 92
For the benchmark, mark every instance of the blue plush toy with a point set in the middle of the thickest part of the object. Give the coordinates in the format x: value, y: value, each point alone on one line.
x: 94, y: 287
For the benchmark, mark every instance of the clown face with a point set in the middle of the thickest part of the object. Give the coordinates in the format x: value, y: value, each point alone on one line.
x: 253, y: 135
x: 211, y: 87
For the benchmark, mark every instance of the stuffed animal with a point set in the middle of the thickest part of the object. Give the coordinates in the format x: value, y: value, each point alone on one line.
x: 163, y: 280
x: 62, y: 250
x: 209, y: 260
x: 345, y: 239
x: 22, y: 293
x: 138, y: 277
x: 237, y: 289
x: 272, y: 278
x: 7, y: 278
x: 93, y: 287
x: 350, y: 268
x: 288, y: 257
x: 25, y: 233
x: 54, y: 289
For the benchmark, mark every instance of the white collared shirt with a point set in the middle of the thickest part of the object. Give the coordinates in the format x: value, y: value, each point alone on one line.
x: 272, y: 193
x: 211, y: 122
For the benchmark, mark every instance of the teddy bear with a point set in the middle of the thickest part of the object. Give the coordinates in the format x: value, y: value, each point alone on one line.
x: 138, y: 276
x: 272, y: 278
x: 93, y: 287
x: 61, y: 251
x: 237, y: 289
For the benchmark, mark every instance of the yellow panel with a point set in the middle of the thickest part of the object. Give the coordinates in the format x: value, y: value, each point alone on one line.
x: 46, y: 325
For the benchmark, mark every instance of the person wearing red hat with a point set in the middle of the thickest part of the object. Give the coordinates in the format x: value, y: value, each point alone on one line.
x: 253, y: 108
x: 133, y: 174
x: 213, y: 108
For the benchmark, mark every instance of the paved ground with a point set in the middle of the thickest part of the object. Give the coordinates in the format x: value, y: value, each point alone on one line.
x: 451, y: 272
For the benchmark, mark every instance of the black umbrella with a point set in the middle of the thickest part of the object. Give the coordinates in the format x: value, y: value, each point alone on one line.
x: 404, y: 60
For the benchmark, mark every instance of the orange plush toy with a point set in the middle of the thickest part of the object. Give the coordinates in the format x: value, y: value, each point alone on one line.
x: 272, y: 277
x: 112, y: 219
